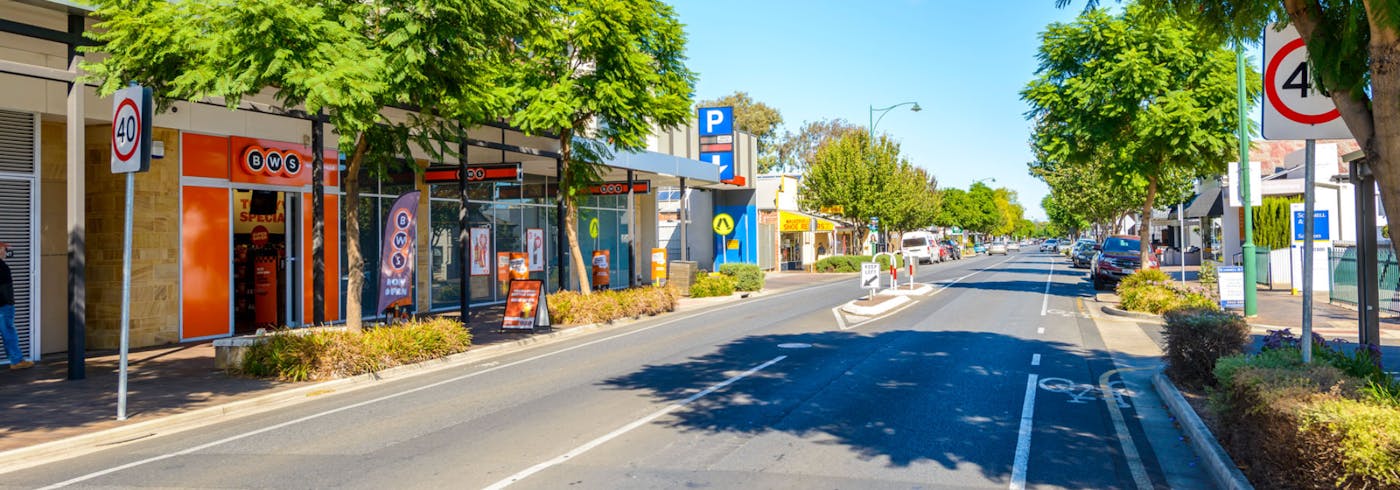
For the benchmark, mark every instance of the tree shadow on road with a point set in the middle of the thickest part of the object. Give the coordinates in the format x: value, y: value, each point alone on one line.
x: 897, y: 398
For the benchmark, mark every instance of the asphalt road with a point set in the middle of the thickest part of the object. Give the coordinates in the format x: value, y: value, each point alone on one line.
x: 986, y: 384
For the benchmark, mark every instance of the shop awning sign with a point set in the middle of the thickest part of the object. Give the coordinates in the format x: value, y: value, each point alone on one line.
x: 495, y: 172
x: 620, y: 188
x: 131, y: 130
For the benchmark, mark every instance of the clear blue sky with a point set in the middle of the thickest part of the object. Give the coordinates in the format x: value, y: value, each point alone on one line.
x: 964, y: 62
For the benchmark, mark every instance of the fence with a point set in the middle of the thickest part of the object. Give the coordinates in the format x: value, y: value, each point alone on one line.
x: 1263, y: 267
x: 1342, y: 274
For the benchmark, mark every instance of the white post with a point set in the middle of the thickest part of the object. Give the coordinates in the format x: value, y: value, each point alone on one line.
x: 1310, y: 173
x: 126, y: 296
x: 1181, y: 239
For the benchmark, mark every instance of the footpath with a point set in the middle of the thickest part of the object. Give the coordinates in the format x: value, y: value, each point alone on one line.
x: 39, y: 406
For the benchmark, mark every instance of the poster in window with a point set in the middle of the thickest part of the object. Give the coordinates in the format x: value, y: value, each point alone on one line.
x: 534, y: 239
x: 481, y: 251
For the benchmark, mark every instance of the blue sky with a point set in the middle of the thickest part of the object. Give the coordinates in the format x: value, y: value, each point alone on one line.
x: 964, y: 62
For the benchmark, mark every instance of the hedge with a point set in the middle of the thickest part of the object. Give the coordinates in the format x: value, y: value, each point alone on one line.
x: 851, y: 263
x: 1320, y: 425
x: 575, y: 308
x: 712, y: 285
x: 301, y: 355
x: 748, y: 277
x: 1152, y: 291
x: 1196, y: 339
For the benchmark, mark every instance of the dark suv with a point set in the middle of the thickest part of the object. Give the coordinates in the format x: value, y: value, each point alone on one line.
x: 1119, y: 256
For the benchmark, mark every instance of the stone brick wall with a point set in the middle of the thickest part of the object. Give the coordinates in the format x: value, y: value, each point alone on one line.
x: 155, y: 264
x: 53, y: 238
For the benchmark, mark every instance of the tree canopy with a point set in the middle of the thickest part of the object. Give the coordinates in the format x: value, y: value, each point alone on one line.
x: 870, y: 179
x: 795, y: 152
x: 1144, y: 96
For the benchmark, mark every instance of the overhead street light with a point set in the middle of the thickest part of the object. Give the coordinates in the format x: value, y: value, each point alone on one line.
x: 885, y: 110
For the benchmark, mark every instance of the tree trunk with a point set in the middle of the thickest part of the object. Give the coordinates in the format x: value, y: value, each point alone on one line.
x: 351, y: 179
x: 570, y: 218
x: 1145, y: 221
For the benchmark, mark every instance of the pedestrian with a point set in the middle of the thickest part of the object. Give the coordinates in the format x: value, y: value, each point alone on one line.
x: 7, y: 314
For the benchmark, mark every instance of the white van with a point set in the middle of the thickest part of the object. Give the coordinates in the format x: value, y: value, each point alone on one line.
x: 923, y: 246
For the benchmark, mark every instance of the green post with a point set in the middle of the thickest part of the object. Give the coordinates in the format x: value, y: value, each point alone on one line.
x: 1251, y: 299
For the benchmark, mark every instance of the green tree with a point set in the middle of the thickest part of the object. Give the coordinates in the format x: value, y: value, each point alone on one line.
x: 983, y: 215
x: 1145, y: 95
x: 1352, y: 48
x: 1062, y: 219
x: 756, y: 118
x: 601, y: 77
x: 870, y: 181
x: 348, y: 60
x: 795, y: 151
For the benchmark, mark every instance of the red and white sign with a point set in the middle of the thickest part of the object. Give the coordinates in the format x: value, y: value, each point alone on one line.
x: 271, y: 162
x: 131, y: 125
x: 259, y: 236
x: 1294, y: 107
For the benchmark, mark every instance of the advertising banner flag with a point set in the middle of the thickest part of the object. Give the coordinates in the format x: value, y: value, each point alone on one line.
x: 397, y: 257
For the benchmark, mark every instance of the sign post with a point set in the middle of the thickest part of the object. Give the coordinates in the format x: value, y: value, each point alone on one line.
x: 1296, y: 110
x: 131, y: 153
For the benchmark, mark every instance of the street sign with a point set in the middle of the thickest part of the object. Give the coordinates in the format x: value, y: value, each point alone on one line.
x: 717, y: 139
x: 1320, y: 224
x: 723, y: 160
x: 1230, y: 282
x: 869, y: 275
x: 1232, y: 181
x: 723, y: 224
x: 593, y: 227
x: 1294, y: 108
x: 716, y: 121
x: 131, y: 130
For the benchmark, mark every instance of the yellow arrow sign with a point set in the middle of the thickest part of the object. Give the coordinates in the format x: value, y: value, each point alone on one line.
x: 723, y: 223
x: 593, y: 227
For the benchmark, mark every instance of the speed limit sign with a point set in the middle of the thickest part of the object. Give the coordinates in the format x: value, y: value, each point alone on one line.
x: 1295, y: 107
x: 131, y: 130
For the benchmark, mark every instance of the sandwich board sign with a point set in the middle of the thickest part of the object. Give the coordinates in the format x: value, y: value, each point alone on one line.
x: 1295, y: 108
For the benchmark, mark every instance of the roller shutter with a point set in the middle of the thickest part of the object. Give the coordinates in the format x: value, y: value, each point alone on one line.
x: 17, y: 183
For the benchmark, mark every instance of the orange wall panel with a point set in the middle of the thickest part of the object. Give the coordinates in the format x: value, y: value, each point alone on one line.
x: 332, y: 252
x: 205, y: 156
x: 205, y: 258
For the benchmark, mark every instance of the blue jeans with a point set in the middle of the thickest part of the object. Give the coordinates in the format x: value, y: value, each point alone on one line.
x: 11, y: 337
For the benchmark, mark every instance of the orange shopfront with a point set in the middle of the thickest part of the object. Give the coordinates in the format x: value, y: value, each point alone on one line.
x: 245, y: 227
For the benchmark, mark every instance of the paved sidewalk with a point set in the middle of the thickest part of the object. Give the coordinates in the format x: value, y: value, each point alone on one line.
x: 39, y: 405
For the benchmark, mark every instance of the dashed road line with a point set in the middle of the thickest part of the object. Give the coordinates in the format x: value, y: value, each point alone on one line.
x: 1035, y: 359
x: 1023, y: 438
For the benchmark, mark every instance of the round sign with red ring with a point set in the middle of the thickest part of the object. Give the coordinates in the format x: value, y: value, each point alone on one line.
x: 1271, y: 89
x: 259, y: 235
x: 127, y: 124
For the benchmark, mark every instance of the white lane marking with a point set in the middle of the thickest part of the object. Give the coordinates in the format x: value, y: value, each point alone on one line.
x: 627, y: 428
x: 1040, y: 330
x: 1045, y: 302
x: 1125, y: 438
x: 1023, y: 439
x: 840, y: 322
x: 1035, y: 359
x: 314, y: 416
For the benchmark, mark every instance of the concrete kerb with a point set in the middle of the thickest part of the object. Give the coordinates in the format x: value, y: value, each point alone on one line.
x: 922, y: 290
x: 1131, y: 314
x: 1222, y: 469
x: 875, y: 310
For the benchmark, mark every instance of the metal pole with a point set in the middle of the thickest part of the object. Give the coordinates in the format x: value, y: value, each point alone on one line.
x: 1251, y: 291
x: 1367, y: 287
x: 464, y: 250
x: 561, y: 244
x: 1309, y: 174
x: 318, y: 220
x: 631, y: 234
x: 77, y: 211
x: 1181, y: 238
x: 684, y: 216
x: 126, y: 296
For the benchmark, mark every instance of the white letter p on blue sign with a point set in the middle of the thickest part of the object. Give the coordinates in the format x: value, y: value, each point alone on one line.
x: 716, y: 121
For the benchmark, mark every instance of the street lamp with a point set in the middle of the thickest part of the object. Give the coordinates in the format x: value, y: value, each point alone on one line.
x: 979, y: 181
x: 884, y: 110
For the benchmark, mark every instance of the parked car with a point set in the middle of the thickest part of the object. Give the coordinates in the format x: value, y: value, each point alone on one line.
x: 1049, y: 245
x: 1083, y: 253
x: 1119, y: 256
x: 923, y: 246
x: 979, y: 249
x: 997, y: 248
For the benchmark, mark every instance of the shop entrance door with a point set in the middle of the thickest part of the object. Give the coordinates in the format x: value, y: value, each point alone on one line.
x: 266, y: 273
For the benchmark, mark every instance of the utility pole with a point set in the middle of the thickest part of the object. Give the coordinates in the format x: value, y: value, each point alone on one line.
x: 1251, y: 292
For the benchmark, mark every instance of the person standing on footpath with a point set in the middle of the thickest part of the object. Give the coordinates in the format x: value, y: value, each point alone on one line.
x: 7, y: 314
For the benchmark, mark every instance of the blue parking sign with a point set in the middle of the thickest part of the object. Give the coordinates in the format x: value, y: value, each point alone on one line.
x: 725, y: 162
x: 716, y: 121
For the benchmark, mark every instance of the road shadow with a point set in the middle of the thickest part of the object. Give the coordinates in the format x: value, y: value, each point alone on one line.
x: 899, y: 398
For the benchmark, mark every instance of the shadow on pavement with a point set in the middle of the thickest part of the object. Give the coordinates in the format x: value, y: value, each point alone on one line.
x: 898, y: 397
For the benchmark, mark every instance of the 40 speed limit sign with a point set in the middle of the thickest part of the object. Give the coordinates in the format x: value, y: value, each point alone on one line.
x: 131, y: 130
x: 1295, y: 108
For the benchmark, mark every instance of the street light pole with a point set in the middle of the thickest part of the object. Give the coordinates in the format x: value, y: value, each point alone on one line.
x: 1251, y: 299
x: 884, y: 110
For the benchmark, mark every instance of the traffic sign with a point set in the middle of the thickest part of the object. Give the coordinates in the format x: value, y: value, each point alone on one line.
x: 131, y: 130
x: 716, y: 121
x: 723, y: 224
x: 593, y: 227
x: 1294, y: 107
x: 869, y: 274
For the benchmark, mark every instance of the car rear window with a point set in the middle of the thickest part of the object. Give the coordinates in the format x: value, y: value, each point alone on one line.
x: 1121, y: 245
x: 915, y: 242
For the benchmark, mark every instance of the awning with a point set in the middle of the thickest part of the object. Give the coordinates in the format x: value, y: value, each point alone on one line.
x: 1208, y: 204
x: 794, y: 222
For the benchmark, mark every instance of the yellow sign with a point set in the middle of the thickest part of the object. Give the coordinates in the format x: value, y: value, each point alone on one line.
x: 833, y: 210
x: 593, y: 227
x: 793, y: 222
x: 723, y: 223
x: 733, y: 245
x: 658, y: 266
x: 825, y: 225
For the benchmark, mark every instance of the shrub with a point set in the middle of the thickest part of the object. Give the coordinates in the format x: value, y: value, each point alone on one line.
x: 1153, y: 291
x: 841, y: 263
x: 575, y: 308
x: 1196, y: 339
x: 1144, y: 277
x: 712, y: 285
x: 300, y: 355
x: 748, y: 277
x: 1207, y: 276
x: 1295, y: 425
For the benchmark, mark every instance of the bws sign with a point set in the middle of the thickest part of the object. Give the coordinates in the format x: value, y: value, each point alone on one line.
x: 257, y: 161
